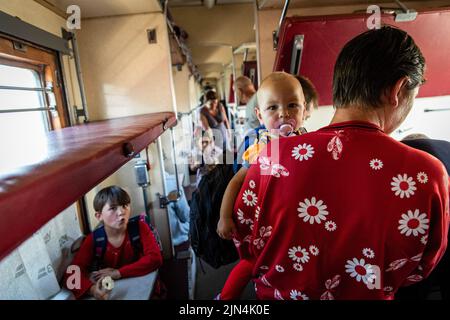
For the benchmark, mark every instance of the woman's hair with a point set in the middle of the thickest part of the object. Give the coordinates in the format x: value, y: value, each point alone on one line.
x: 309, y: 91
x: 373, y: 62
x: 115, y: 195
x: 211, y: 95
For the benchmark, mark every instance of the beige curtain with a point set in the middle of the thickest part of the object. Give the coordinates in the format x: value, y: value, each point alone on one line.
x: 33, y: 271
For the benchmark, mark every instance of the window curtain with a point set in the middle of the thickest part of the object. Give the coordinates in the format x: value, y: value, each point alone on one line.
x: 34, y: 270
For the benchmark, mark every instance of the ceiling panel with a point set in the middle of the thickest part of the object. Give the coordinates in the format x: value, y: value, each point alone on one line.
x: 272, y: 4
x: 105, y: 8
x: 187, y: 3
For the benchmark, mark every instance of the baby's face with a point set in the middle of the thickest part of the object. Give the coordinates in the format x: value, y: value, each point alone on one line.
x: 281, y: 102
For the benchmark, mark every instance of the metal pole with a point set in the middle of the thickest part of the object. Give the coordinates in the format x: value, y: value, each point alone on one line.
x: 64, y: 84
x: 161, y: 162
x: 25, y: 89
x: 258, y: 56
x: 174, y: 158
x: 147, y: 209
x: 283, y: 14
x: 79, y: 76
x: 27, y: 110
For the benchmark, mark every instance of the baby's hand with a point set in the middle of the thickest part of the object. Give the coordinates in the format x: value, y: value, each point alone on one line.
x: 226, y: 228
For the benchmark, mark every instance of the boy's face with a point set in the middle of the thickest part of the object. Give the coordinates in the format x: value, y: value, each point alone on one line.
x: 281, y: 102
x: 114, y: 216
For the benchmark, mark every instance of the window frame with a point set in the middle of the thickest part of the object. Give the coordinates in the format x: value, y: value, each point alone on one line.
x: 45, y: 62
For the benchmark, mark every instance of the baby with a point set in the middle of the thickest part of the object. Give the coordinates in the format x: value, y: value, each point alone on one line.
x: 281, y: 107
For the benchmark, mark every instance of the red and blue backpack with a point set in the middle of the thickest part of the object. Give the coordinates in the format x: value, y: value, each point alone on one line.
x: 101, y: 240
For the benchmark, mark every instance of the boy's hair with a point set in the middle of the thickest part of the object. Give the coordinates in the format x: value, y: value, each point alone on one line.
x: 115, y: 195
x: 371, y: 63
x: 309, y: 91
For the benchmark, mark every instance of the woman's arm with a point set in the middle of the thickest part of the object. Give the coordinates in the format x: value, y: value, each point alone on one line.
x: 204, y: 122
x: 224, y: 117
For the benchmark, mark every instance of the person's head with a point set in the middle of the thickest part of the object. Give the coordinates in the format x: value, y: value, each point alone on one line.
x: 379, y: 69
x: 204, y: 141
x: 414, y: 136
x: 112, y: 207
x: 244, y: 88
x: 211, y: 99
x: 280, y: 101
x: 311, y: 96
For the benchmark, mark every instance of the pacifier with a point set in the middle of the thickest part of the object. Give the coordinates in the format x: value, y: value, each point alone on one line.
x: 286, y: 129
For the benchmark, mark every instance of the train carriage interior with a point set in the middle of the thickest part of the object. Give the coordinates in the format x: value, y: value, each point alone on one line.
x: 112, y: 92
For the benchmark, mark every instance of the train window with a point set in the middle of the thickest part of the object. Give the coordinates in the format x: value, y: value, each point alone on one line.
x: 22, y: 105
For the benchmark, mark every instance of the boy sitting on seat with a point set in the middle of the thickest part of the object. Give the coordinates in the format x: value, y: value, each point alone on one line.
x: 120, y: 257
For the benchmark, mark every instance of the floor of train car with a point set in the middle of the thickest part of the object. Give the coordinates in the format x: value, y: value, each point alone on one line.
x: 209, y: 283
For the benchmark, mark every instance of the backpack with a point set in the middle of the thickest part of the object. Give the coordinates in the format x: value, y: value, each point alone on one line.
x: 204, y: 216
x: 100, y: 240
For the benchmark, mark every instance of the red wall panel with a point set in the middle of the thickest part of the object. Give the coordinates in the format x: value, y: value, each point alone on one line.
x: 326, y: 35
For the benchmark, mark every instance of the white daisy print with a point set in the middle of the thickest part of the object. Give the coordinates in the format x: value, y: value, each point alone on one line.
x: 303, y: 152
x: 424, y: 239
x: 314, y: 250
x: 368, y: 253
x: 298, y: 267
x: 422, y: 177
x: 297, y: 295
x: 298, y: 254
x: 250, y: 198
x: 258, y: 209
x: 403, y: 186
x: 312, y: 211
x: 263, y: 267
x: 252, y: 184
x: 242, y: 219
x: 237, y: 243
x: 279, y: 268
x: 413, y: 223
x: 360, y: 270
x: 376, y: 164
x: 330, y: 226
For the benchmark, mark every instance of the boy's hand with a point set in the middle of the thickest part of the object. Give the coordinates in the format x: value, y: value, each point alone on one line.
x: 226, y: 228
x: 113, y: 273
x: 98, y: 292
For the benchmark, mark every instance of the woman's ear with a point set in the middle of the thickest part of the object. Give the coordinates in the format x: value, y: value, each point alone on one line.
x: 98, y: 215
x: 396, y: 91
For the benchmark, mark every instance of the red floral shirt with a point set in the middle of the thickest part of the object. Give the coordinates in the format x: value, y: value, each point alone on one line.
x: 345, y: 212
